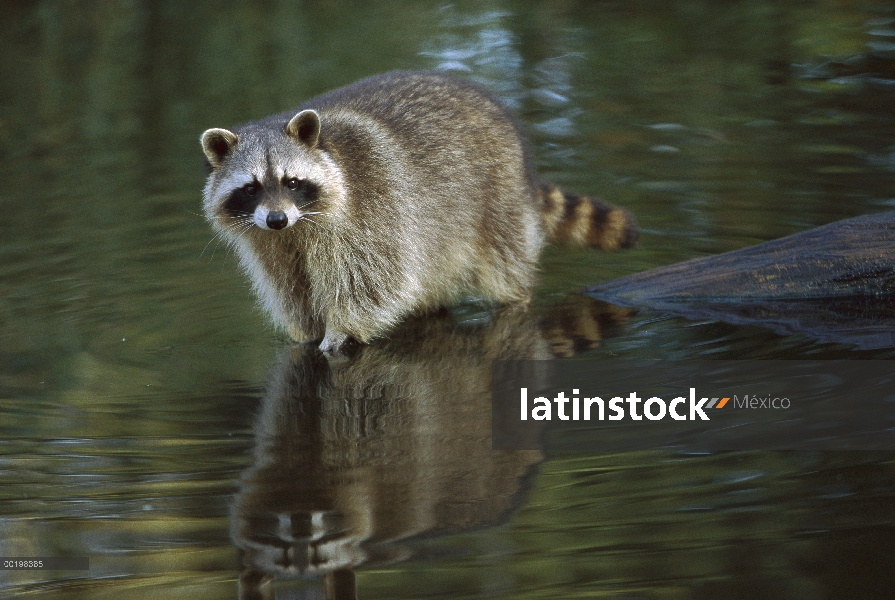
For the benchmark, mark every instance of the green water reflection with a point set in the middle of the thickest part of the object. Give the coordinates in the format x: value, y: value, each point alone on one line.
x: 133, y: 364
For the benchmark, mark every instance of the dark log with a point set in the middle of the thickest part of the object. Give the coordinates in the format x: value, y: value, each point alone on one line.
x: 835, y: 283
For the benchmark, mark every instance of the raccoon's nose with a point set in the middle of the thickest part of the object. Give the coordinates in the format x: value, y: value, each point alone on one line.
x: 277, y: 219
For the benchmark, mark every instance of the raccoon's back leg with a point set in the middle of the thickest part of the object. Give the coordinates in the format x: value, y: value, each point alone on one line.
x: 511, y: 242
x: 584, y: 221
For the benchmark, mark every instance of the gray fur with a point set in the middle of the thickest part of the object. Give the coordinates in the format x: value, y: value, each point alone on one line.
x: 424, y: 195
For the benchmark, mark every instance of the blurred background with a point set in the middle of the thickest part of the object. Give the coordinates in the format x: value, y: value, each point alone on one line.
x: 133, y: 363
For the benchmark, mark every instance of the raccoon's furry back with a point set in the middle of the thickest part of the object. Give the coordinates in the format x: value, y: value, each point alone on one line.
x: 423, y: 193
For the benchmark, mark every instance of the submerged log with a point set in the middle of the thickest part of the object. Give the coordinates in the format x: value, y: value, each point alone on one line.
x: 835, y: 283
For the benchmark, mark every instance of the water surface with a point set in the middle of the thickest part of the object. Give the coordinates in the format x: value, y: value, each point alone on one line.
x: 152, y: 420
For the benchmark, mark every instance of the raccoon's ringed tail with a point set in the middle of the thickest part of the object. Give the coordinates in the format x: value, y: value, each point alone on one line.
x: 583, y: 221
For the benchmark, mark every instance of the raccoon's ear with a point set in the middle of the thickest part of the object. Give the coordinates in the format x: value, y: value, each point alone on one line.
x: 217, y: 144
x: 304, y: 127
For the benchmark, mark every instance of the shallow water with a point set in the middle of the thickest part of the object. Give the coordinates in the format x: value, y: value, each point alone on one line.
x: 152, y: 420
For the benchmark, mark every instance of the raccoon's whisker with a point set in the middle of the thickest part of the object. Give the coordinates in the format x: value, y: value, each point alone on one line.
x: 240, y: 228
x: 303, y: 218
x: 218, y: 237
x: 237, y: 230
x: 242, y: 222
x: 237, y: 226
x: 208, y: 244
x: 248, y: 226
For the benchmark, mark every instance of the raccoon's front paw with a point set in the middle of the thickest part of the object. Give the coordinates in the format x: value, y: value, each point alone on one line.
x: 334, y: 342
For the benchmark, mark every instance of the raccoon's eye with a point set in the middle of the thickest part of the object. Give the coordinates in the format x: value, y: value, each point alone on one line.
x: 292, y: 184
x: 250, y: 189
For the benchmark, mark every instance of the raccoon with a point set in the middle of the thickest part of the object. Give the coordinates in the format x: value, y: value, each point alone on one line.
x: 393, y: 196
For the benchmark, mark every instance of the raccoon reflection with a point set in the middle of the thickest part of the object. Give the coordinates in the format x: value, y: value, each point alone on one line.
x: 356, y: 460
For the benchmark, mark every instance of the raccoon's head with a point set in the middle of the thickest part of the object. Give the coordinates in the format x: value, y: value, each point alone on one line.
x: 268, y: 175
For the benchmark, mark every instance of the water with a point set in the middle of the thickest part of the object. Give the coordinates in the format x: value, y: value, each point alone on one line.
x: 144, y: 416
